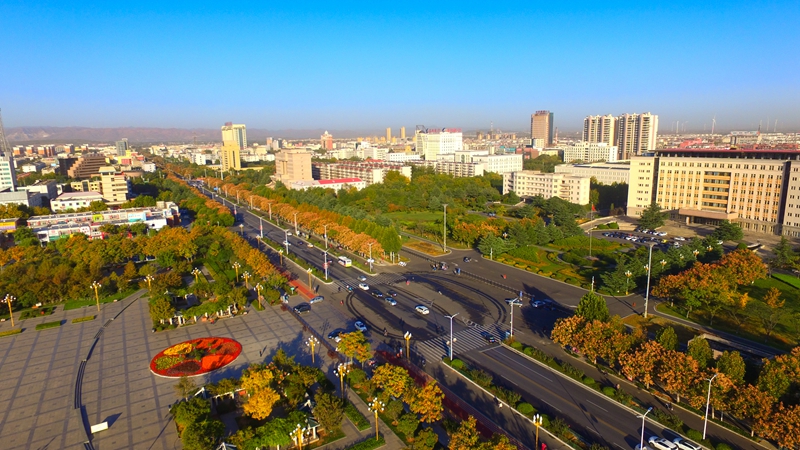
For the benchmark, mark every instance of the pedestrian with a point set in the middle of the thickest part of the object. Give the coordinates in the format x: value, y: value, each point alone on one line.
x: 634, y: 304
x: 504, y: 276
x: 342, y: 302
x: 340, y: 289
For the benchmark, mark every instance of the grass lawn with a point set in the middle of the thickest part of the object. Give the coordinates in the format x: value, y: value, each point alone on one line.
x: 425, y: 247
x: 75, y: 304
x: 788, y: 279
x: 653, y: 324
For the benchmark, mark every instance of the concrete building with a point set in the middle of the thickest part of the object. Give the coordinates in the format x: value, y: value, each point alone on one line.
x: 86, y: 166
x: 201, y: 159
x: 21, y: 197
x: 389, y: 134
x: 326, y: 141
x: 636, y: 134
x: 403, y: 133
x: 598, y: 129
x: 115, y: 188
x: 122, y: 147
x: 46, y: 189
x: 232, y: 132
x: 604, y: 173
x: 230, y: 156
x: 758, y: 189
x: 454, y: 168
x: 590, y: 152
x: 371, y: 172
x: 294, y: 165
x: 8, y: 173
x: 542, y: 126
x: 500, y: 163
x: 149, y: 167
x: 532, y: 183
x: 430, y: 143
x: 336, y: 184
x: 401, y: 157
x: 33, y: 167
x: 75, y: 200
x: 369, y: 152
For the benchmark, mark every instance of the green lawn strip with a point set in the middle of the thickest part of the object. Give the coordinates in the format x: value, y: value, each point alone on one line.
x: 385, y: 419
x: 41, y: 311
x: 330, y: 437
x: 46, y: 325
x: 11, y: 332
x: 355, y: 416
x: 788, y: 279
x: 370, y: 443
x: 84, y: 319
x: 418, y: 216
x: 75, y: 304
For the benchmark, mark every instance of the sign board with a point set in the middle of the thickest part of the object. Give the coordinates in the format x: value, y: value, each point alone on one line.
x: 99, y: 427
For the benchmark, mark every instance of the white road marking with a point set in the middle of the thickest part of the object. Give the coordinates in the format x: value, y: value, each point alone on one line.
x: 595, y: 404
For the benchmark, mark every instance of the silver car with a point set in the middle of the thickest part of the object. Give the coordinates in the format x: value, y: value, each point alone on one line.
x: 683, y: 444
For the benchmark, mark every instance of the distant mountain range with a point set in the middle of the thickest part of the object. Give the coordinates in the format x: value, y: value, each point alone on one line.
x: 78, y: 135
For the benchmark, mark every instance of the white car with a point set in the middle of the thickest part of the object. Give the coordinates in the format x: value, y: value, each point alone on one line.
x: 679, y: 238
x: 422, y: 309
x: 362, y: 278
x: 363, y: 286
x: 661, y: 444
x: 310, y: 245
x: 683, y: 444
x: 360, y: 326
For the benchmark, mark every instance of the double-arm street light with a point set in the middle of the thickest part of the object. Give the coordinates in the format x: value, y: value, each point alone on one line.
x: 444, y: 228
x: 641, y: 442
x: 295, y: 224
x: 649, y: 271
x: 96, y: 286
x: 325, y: 227
x: 451, y: 334
x: 9, y: 299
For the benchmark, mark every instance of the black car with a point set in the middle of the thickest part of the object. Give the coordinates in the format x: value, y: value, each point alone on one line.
x: 376, y: 293
x: 467, y: 259
x: 335, y: 333
x: 391, y: 293
x: 302, y: 308
x: 489, y: 338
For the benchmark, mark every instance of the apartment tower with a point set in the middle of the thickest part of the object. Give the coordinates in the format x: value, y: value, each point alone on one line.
x: 636, y: 134
x: 230, y: 157
x: 600, y: 129
x: 542, y: 127
x: 235, y: 133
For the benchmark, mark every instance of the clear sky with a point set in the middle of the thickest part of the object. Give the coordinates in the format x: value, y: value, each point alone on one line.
x: 369, y: 65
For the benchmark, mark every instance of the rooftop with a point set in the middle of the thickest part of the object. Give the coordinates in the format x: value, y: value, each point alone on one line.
x: 79, y: 195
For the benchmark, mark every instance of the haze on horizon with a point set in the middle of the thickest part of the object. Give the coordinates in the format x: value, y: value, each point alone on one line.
x: 360, y: 66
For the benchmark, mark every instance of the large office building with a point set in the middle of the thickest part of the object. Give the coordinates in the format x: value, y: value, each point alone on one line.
x: 326, y: 141
x: 431, y: 142
x: 506, y: 163
x: 337, y: 184
x: 532, y: 183
x: 589, y: 152
x: 230, y: 156
x: 86, y: 166
x: 455, y: 168
x: 294, y: 165
x: 235, y: 132
x: 122, y: 147
x: 758, y: 189
x: 371, y: 172
x: 604, y: 172
x: 636, y: 134
x: 598, y: 129
x: 542, y: 127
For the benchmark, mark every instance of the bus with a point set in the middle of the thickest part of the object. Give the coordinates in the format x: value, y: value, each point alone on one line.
x: 345, y: 261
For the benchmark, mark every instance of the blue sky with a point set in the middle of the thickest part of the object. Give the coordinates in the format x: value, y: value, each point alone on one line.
x: 369, y: 65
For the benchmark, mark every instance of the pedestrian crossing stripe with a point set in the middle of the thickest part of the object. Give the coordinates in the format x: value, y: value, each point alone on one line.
x: 380, y: 279
x: 463, y: 341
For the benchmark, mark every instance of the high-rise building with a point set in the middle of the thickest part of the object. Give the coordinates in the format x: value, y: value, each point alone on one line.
x: 236, y: 133
x: 636, y: 134
x: 389, y: 134
x: 403, y: 133
x: 590, y: 152
x: 598, y: 129
x: 8, y: 174
x: 326, y: 141
x: 293, y: 165
x: 230, y: 156
x: 122, y: 147
x: 87, y: 166
x: 542, y: 126
x: 431, y: 142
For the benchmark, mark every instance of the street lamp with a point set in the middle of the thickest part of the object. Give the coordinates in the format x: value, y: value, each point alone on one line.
x: 295, y: 223
x: 8, y: 299
x: 695, y: 252
x: 259, y: 287
x: 407, y: 337
x: 451, y: 334
x: 269, y: 204
x: 376, y: 406
x: 241, y: 229
x: 649, y: 265
x: 641, y: 442
x: 512, y: 305
x: 280, y: 253
x: 325, y: 227
x: 663, y: 264
x: 149, y: 279
x: 196, y: 272
x: 325, y: 265
x: 312, y: 342
x: 261, y: 227
x: 309, y: 276
x: 286, y: 240
x: 297, y: 436
x: 537, y: 422
x: 341, y: 371
x: 708, y: 403
x: 444, y: 228
x: 236, y: 266
x: 96, y: 286
x: 251, y: 202
x: 370, y: 256
x: 627, y: 279
x: 246, y: 275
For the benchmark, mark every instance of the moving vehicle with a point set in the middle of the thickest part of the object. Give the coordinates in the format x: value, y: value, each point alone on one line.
x: 537, y: 303
x: 363, y: 286
x: 302, y: 308
x: 347, y: 262
x: 310, y: 245
x: 467, y: 259
x: 683, y: 444
x: 316, y: 299
x: 376, y: 293
x: 390, y: 301
x: 336, y: 334
x: 362, y: 278
x: 391, y: 293
x: 661, y: 444
x: 422, y: 309
x: 513, y: 301
x: 489, y: 338
x: 360, y: 326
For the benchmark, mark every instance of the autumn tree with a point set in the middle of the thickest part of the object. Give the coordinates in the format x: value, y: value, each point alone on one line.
x: 784, y: 427
x: 780, y: 373
x: 465, y: 437
x: 329, y: 411
x: 354, y: 345
x: 566, y: 330
x: 752, y: 403
x: 427, y: 402
x: 259, y: 405
x: 593, y: 306
x: 425, y: 439
x: 394, y: 380
x: 667, y: 338
x: 677, y: 372
x: 641, y: 363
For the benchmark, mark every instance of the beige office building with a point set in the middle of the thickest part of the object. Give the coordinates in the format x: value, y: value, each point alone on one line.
x: 759, y: 189
x: 590, y: 152
x: 371, y: 172
x: 598, y: 129
x: 230, y: 156
x: 235, y: 132
x: 293, y: 165
x: 636, y: 134
x: 532, y: 183
x: 604, y: 173
x: 542, y: 127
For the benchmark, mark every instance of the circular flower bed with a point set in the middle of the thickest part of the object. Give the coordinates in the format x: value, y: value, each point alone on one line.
x: 195, y: 357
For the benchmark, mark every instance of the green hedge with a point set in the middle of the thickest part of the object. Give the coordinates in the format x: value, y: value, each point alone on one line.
x: 84, y: 319
x: 370, y: 443
x: 11, y: 332
x: 356, y: 417
x: 46, y: 325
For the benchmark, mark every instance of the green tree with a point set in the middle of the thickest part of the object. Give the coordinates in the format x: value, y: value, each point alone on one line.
x: 617, y: 282
x: 408, y: 424
x: 425, y: 439
x: 667, y: 338
x: 727, y: 231
x: 185, y: 387
x: 354, y: 345
x: 25, y: 237
x: 732, y: 365
x: 493, y: 245
x: 784, y: 254
x: 202, y: 435
x: 190, y: 411
x: 652, y: 217
x: 700, y: 351
x: 329, y: 411
x: 593, y: 307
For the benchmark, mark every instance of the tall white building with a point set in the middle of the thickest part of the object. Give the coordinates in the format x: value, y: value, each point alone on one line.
x: 636, y: 134
x: 8, y: 174
x: 590, y: 152
x: 600, y: 129
x: 434, y: 142
x: 500, y: 163
x: 532, y: 183
x: 235, y: 132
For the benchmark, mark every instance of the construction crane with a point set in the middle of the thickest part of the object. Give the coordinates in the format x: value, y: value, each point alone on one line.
x: 5, y: 149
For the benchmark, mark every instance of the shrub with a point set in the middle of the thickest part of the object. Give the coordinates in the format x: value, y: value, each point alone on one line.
x: 516, y: 345
x: 724, y: 446
x: 528, y: 351
x: 613, y: 226
x: 83, y: 319
x: 526, y: 409
x: 11, y: 332
x: 355, y: 416
x: 668, y: 419
x: 457, y: 364
x: 480, y: 378
x: 46, y: 325
x: 573, y: 372
x: 609, y: 391
x: 589, y: 381
x: 369, y: 444
x: 694, y: 435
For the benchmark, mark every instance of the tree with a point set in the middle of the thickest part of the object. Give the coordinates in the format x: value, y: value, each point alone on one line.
x: 492, y: 245
x: 427, y: 402
x: 784, y: 254
x: 394, y: 380
x: 185, y: 387
x: 617, y: 282
x: 354, y: 345
x: 202, y: 435
x: 593, y: 306
x: 25, y: 237
x: 130, y: 271
x: 408, y: 424
x: 751, y: 402
x: 161, y: 309
x: 187, y: 412
x: 700, y: 351
x: 667, y: 338
x: 642, y: 362
x: 772, y: 311
x: 652, y: 217
x: 465, y: 437
x: 566, y: 331
x: 727, y: 231
x: 259, y: 405
x: 425, y: 439
x: 678, y: 372
x: 329, y: 411
x: 732, y: 365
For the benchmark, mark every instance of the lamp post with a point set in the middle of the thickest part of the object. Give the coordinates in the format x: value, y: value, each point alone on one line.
x: 246, y: 275
x: 196, y: 272
x: 261, y: 227
x: 627, y: 279
x: 663, y: 263
x: 537, y: 422
x: 96, y: 286
x: 297, y: 436
x: 641, y: 442
x: 280, y: 253
x: 309, y: 276
x: 512, y: 305
x: 695, y: 252
x: 325, y: 227
x: 286, y: 240
x: 407, y: 337
x: 236, y: 266
x: 269, y: 205
x: 8, y: 299
x: 149, y: 279
x: 708, y: 403
x: 377, y: 407
x: 649, y: 271
x: 259, y: 287
x: 325, y: 265
x: 312, y: 342
x: 341, y: 371
x: 590, y: 241
x: 241, y: 229
x: 295, y: 223
x: 370, y: 256
x: 251, y: 202
x: 444, y: 228
x: 451, y: 334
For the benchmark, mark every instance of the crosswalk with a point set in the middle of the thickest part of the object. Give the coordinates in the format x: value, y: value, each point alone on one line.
x: 463, y: 341
x: 380, y: 279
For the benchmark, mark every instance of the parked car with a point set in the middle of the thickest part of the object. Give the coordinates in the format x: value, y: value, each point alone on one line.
x: 302, y: 308
x: 316, y: 299
x: 360, y: 326
x: 538, y: 304
x: 661, y: 444
x: 363, y: 286
x: 683, y: 444
x: 422, y: 309
x: 336, y: 334
x: 390, y: 301
x: 488, y: 337
x: 679, y: 238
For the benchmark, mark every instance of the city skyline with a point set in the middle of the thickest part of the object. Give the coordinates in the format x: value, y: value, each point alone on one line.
x: 392, y: 66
